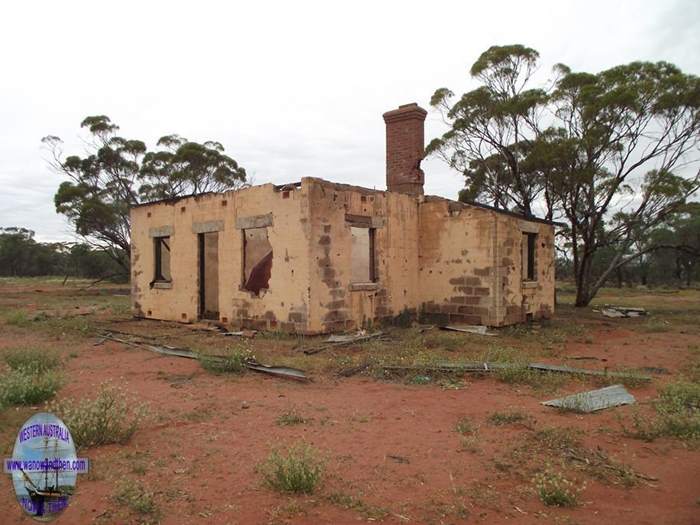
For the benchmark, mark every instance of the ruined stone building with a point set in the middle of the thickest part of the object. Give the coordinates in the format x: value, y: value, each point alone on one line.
x: 315, y: 256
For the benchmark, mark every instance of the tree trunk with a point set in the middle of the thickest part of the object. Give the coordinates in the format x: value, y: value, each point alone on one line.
x: 583, y: 281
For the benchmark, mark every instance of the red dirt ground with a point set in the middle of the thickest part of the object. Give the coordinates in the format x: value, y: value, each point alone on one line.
x: 209, y: 433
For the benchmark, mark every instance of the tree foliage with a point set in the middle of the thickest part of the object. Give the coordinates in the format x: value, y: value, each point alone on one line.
x: 22, y: 256
x: 609, y: 153
x: 117, y: 173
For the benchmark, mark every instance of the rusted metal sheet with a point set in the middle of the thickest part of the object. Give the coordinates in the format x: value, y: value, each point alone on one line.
x: 470, y: 329
x: 594, y: 400
x: 585, y: 371
x: 622, y: 311
x: 278, y: 371
x: 342, y: 340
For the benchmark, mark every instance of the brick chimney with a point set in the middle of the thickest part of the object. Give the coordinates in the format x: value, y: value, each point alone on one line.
x: 404, y: 149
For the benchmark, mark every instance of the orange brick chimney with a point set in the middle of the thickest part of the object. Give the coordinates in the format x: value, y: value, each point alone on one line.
x: 404, y: 149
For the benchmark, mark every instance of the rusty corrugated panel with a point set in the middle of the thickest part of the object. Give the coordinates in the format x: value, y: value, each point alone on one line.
x: 594, y: 400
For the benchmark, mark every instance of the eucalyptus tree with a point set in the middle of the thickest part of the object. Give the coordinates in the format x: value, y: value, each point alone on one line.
x: 117, y: 173
x: 611, y: 153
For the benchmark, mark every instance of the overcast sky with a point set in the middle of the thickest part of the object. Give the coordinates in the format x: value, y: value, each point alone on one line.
x: 291, y: 89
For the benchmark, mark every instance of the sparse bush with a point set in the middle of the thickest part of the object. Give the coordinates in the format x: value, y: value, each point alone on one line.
x: 506, y: 418
x: 447, y: 341
x: 17, y: 318
x: 137, y: 498
x: 110, y: 417
x: 678, y: 415
x: 555, y: 490
x: 32, y: 360
x: 557, y: 438
x: 347, y: 501
x: 464, y: 426
x: 298, y: 469
x: 233, y: 362
x: 25, y: 387
x: 289, y: 418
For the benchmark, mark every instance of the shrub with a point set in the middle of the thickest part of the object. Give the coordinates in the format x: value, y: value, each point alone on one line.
x: 464, y: 426
x: 678, y: 415
x: 17, y: 318
x: 555, y: 490
x: 24, y: 387
x: 506, y: 418
x: 110, y: 417
x: 135, y: 496
x: 32, y: 360
x: 289, y: 418
x: 297, y: 470
x: 234, y: 362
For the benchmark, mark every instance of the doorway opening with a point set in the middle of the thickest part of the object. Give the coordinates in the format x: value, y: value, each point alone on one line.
x: 208, y: 275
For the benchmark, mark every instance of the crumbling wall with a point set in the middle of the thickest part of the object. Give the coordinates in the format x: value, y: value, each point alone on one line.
x: 338, y: 303
x: 456, y: 263
x: 520, y: 299
x: 283, y: 305
x: 471, y: 266
x: 447, y: 261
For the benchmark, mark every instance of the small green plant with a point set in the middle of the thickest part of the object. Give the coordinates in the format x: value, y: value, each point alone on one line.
x: 349, y: 502
x: 17, y: 318
x: 289, y: 418
x: 32, y: 360
x: 297, y: 469
x: 469, y: 443
x: 233, y: 362
x: 656, y: 326
x: 557, y: 438
x: 555, y: 490
x: 137, y: 498
x: 465, y: 426
x: 678, y: 415
x: 420, y: 379
x: 506, y: 418
x: 25, y: 387
x: 112, y: 416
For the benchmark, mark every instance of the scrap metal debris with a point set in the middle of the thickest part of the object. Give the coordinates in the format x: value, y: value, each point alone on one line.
x: 480, y: 367
x: 277, y: 371
x: 594, y: 400
x: 451, y: 367
x: 336, y: 340
x: 220, y: 329
x: 622, y: 311
x: 587, y: 372
x: 469, y: 329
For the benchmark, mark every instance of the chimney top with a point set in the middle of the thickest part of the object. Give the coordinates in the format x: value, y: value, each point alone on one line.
x: 404, y: 149
x: 405, y: 111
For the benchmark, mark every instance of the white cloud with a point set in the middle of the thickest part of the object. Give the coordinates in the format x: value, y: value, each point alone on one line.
x: 289, y: 88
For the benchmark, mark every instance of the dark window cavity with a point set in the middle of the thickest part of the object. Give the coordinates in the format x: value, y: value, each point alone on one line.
x: 362, y: 255
x: 162, y: 259
x: 529, y: 260
x: 257, y: 260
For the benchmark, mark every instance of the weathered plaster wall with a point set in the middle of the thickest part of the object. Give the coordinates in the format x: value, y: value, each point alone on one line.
x: 283, y: 305
x: 336, y: 303
x: 447, y: 261
x: 456, y: 262
x: 471, y: 266
x: 519, y: 297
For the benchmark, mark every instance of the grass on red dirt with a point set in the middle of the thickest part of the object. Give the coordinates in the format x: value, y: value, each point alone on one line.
x: 417, y: 447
